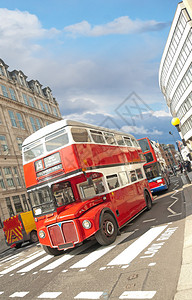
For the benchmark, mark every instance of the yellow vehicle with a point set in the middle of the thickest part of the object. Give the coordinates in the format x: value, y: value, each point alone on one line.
x: 19, y: 229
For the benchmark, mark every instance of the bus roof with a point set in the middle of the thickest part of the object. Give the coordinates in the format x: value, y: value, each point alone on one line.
x: 63, y: 123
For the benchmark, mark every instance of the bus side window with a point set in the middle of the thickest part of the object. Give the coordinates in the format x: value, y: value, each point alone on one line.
x: 112, y: 181
x: 128, y: 141
x: 80, y: 135
x: 133, y: 176
x: 119, y: 140
x: 123, y: 178
x: 97, y: 137
x: 139, y: 173
x: 109, y: 138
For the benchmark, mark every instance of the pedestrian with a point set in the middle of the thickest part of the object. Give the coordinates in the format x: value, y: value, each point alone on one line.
x: 181, y: 168
x: 188, y: 165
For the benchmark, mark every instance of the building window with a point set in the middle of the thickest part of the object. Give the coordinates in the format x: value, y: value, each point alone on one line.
x: 55, y: 111
x: 2, y: 71
x: 3, y: 144
x: 7, y: 170
x: 9, y: 206
x: 42, y: 106
x: 12, y: 92
x: 19, y: 117
x: 17, y: 179
x: 10, y: 182
x: 31, y: 102
x: 19, y: 143
x: 17, y: 204
x: 25, y: 202
x: 25, y: 99
x: 47, y: 108
x: 12, y: 117
x: 33, y: 124
x: 4, y: 90
x: 2, y: 184
x: 38, y: 123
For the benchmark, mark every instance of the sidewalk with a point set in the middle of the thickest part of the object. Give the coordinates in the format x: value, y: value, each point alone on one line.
x: 184, y: 287
x: 3, y: 246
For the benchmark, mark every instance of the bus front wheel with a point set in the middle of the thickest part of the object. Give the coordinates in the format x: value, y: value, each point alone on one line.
x: 52, y: 251
x: 107, y: 233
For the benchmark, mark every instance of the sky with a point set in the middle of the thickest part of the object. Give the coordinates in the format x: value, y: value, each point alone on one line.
x: 99, y: 57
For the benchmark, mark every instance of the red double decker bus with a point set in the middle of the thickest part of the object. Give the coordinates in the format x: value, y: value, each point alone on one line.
x: 157, y: 177
x: 83, y: 181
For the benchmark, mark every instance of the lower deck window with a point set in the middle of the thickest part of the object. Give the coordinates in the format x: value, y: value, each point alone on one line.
x: 112, y: 181
x: 89, y: 190
x: 63, y: 193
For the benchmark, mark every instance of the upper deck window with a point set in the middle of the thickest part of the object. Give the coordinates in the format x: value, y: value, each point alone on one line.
x: 97, y: 137
x: 128, y: 141
x: 56, y: 140
x: 109, y: 138
x: 144, y: 145
x: 80, y: 135
x: 135, y: 143
x: 33, y: 150
x: 119, y: 140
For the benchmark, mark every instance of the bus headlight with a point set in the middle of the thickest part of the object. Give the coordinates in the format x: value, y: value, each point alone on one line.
x: 86, y: 224
x: 41, y: 234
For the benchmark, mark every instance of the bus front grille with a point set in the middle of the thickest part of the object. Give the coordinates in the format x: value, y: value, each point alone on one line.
x: 63, y: 233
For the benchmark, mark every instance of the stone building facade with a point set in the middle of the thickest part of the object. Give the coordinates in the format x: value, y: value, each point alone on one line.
x: 25, y: 107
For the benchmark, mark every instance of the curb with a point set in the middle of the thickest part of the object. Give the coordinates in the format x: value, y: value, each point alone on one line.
x: 184, y: 286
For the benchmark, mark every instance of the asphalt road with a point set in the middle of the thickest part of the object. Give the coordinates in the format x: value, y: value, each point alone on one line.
x: 143, y: 263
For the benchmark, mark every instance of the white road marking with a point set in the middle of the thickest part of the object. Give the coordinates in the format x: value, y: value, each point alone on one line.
x: 151, y: 264
x: 19, y: 294
x: 66, y: 257
x: 1, y: 293
x: 10, y: 258
x: 21, y: 263
x: 138, y: 295
x: 151, y: 220
x: 95, y: 255
x: 89, y: 295
x: 125, y: 257
x: 35, y: 264
x: 50, y: 295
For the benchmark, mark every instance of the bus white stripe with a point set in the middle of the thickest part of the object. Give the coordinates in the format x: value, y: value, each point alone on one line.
x: 21, y: 263
x: 92, y: 257
x: 135, y: 248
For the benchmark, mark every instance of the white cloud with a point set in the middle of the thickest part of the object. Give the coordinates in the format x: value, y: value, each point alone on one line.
x: 121, y: 25
x: 161, y: 113
x: 141, y: 130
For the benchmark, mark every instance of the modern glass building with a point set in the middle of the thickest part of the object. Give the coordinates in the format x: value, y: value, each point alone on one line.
x: 175, y: 73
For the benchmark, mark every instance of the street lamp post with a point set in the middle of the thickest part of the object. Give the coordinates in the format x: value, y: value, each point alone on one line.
x: 175, y: 122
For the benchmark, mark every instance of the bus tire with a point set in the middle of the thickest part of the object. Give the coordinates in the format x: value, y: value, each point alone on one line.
x: 18, y: 245
x: 148, y: 200
x: 33, y: 237
x: 107, y: 233
x: 52, y: 251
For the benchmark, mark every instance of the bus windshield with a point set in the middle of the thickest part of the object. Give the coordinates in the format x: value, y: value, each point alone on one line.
x: 42, y: 201
x: 152, y: 171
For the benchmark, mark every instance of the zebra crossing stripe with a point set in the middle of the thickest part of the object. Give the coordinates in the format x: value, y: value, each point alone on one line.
x: 19, y: 294
x: 21, y: 263
x: 50, y: 295
x: 89, y: 295
x: 66, y: 257
x: 35, y: 264
x: 138, y: 295
x: 131, y: 252
x: 95, y: 255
